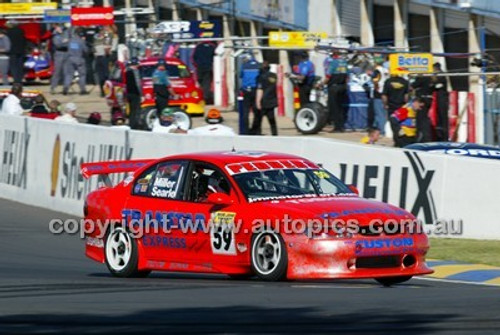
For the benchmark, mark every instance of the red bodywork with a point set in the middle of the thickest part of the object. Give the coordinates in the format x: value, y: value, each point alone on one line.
x: 309, y: 257
x: 181, y: 80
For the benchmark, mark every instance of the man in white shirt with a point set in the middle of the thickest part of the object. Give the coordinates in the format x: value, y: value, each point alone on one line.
x: 214, y: 127
x: 69, y: 115
x: 12, y: 104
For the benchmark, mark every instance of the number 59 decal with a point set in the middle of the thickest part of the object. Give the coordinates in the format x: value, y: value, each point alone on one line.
x: 222, y: 233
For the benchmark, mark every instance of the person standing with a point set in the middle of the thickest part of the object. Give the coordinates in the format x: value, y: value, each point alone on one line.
x: 336, y: 79
x: 134, y: 93
x: 395, y: 93
x: 440, y: 87
x: 249, y: 72
x: 379, y: 76
x: 12, y: 104
x: 305, y: 76
x: 161, y: 86
x: 266, y: 100
x: 60, y: 40
x: 77, y: 48
x: 102, y: 52
x: 4, y: 57
x: 17, y: 52
x: 203, y: 58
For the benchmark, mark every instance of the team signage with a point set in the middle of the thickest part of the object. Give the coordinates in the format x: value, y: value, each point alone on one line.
x: 26, y: 8
x: 57, y: 16
x: 92, y: 16
x: 295, y: 39
x: 189, y: 29
x: 405, y: 63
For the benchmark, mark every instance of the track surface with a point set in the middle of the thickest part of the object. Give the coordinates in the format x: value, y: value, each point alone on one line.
x: 47, y: 285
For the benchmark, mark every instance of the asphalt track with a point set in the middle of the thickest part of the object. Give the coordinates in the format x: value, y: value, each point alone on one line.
x: 48, y: 286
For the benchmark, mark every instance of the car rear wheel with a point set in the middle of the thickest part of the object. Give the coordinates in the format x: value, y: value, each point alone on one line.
x: 269, y: 256
x: 389, y: 281
x: 121, y: 254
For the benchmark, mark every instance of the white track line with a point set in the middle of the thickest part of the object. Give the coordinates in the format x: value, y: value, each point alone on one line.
x: 456, y: 281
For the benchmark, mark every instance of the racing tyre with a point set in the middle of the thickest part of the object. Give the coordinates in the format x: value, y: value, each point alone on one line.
x: 389, y: 281
x: 121, y: 254
x: 311, y: 118
x: 269, y: 256
x: 148, y: 117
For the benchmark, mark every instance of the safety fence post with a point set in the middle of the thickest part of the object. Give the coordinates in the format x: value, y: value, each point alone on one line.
x: 241, y: 124
x: 453, y: 113
x: 471, y: 118
x: 280, y: 93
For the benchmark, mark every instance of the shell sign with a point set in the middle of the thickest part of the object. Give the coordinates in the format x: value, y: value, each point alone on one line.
x: 405, y: 63
x: 92, y: 16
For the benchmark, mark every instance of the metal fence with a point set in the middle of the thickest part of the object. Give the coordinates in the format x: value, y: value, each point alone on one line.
x: 492, y: 116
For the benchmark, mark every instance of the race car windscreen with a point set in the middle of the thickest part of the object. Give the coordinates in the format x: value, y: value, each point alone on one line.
x: 175, y: 71
x: 273, y: 184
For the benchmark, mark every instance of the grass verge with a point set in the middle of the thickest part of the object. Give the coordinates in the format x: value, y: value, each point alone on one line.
x: 465, y: 250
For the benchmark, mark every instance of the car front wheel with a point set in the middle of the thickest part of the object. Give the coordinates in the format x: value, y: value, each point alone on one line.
x: 269, y: 256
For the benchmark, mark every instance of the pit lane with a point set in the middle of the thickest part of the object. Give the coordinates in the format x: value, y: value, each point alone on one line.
x: 47, y: 285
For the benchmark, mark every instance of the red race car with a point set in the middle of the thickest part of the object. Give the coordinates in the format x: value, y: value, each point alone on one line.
x: 273, y: 215
x: 190, y: 96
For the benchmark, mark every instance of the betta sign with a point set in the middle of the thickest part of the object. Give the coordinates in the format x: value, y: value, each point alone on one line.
x: 402, y: 63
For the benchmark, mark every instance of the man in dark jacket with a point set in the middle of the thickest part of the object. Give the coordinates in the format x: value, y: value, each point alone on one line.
x: 17, y: 52
x: 440, y: 87
x: 134, y: 93
x: 266, y: 100
x: 203, y: 58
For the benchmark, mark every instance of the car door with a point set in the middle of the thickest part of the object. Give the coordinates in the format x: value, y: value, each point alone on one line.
x: 154, y: 205
x: 216, y: 242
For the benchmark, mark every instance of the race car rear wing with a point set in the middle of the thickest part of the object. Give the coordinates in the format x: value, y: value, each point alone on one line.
x: 103, y: 169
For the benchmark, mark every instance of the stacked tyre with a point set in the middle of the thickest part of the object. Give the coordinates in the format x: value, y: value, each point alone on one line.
x: 311, y: 118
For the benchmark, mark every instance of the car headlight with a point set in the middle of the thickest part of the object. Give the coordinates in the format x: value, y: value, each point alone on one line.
x: 194, y: 94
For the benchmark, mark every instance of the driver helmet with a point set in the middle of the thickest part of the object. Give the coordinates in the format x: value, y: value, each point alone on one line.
x: 167, y: 116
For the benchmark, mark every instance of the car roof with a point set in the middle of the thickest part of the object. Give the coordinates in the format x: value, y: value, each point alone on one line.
x: 223, y: 158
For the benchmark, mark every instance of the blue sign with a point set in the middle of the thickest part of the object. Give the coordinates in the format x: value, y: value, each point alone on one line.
x: 458, y: 149
x: 57, y: 16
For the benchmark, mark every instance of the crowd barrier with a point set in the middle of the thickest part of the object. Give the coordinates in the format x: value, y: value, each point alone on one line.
x: 40, y: 166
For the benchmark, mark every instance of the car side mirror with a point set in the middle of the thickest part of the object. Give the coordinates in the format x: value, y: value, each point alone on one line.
x: 219, y: 198
x: 354, y: 189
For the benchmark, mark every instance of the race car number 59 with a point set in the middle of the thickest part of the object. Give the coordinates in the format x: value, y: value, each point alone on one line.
x: 222, y: 233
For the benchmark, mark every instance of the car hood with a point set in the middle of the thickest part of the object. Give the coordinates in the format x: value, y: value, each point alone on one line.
x: 339, y: 207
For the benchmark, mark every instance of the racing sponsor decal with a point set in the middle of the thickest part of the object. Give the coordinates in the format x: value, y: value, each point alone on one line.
x: 165, y: 188
x: 377, y: 181
x: 222, y: 233
x: 164, y: 242
x: 15, y: 158
x: 383, y: 246
x: 165, y: 219
x: 265, y: 165
x: 94, y: 242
